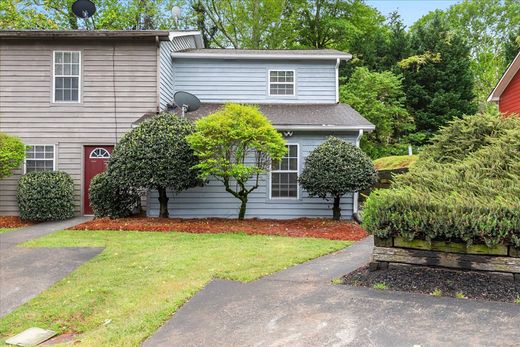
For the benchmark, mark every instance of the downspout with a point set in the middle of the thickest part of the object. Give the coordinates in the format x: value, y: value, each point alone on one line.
x: 158, y: 79
x: 337, y: 80
x: 355, y: 210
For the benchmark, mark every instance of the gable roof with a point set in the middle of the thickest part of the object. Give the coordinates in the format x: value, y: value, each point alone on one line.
x: 224, y: 53
x: 506, y: 79
x: 303, y: 117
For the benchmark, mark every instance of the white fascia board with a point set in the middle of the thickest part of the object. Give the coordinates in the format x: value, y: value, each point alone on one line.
x: 259, y: 56
x: 325, y: 127
x: 505, y: 79
x: 183, y: 33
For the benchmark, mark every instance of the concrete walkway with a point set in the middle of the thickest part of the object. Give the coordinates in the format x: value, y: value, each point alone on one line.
x: 300, y: 307
x: 26, y: 272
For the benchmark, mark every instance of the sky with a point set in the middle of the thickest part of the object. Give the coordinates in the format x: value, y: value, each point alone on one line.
x: 410, y: 10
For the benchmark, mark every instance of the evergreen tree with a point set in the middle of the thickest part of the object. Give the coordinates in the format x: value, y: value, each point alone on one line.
x: 438, y: 81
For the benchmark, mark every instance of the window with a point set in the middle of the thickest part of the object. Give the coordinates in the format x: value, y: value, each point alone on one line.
x: 284, y: 175
x: 39, y: 158
x: 281, y: 82
x: 67, y: 69
x: 99, y: 153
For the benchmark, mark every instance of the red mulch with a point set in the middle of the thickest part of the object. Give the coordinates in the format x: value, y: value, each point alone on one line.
x: 12, y: 222
x: 305, y: 227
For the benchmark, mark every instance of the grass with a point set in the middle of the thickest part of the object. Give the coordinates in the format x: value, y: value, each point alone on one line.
x: 141, y: 279
x: 517, y: 301
x: 380, y: 286
x: 436, y: 292
x: 6, y: 230
x: 460, y: 295
x: 395, y: 162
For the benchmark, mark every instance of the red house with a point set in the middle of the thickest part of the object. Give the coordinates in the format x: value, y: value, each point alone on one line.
x: 507, y: 91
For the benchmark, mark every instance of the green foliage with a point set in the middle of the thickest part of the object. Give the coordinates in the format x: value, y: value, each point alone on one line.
x: 45, y: 196
x: 236, y: 145
x: 380, y: 286
x: 395, y: 162
x: 155, y: 155
x: 12, y: 154
x: 438, y: 91
x: 379, y: 97
x: 109, y: 199
x: 336, y: 168
x: 472, y: 196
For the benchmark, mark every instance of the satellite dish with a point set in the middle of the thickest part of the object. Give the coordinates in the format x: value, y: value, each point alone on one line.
x: 83, y: 8
x: 186, y: 101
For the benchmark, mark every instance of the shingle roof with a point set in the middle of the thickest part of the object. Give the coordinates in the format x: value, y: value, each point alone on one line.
x: 98, y: 34
x: 222, y: 53
x: 333, y: 117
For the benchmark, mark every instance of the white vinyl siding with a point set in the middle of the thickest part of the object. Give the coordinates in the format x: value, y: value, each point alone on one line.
x: 67, y: 76
x: 284, y: 175
x: 40, y: 158
x: 281, y: 82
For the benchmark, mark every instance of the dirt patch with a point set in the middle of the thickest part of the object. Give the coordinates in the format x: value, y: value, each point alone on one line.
x: 305, y: 227
x: 13, y: 222
x: 438, y: 282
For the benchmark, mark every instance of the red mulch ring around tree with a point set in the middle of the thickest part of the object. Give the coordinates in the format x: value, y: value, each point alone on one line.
x: 305, y: 227
x: 12, y: 222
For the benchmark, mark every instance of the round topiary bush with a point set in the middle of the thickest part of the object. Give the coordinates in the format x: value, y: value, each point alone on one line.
x: 336, y: 168
x: 45, y: 196
x: 109, y: 199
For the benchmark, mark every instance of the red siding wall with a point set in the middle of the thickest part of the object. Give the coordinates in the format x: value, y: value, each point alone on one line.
x: 510, y: 98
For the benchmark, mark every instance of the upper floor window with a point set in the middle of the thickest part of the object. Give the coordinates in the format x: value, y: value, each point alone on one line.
x: 67, y: 70
x: 281, y: 82
x: 40, y: 158
x: 284, y: 175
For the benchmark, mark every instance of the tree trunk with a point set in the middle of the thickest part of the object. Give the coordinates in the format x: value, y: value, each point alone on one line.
x: 243, y: 206
x: 336, y: 210
x: 163, y: 203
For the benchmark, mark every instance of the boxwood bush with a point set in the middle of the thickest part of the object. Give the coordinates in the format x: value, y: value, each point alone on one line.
x: 471, y: 195
x: 45, y: 196
x: 110, y: 199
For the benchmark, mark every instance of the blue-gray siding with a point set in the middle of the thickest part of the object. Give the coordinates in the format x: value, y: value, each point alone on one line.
x: 213, y: 201
x: 220, y: 80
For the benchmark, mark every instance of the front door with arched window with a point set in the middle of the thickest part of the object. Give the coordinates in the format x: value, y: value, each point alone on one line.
x: 96, y: 161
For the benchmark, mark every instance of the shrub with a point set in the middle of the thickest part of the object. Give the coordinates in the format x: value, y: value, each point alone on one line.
x: 475, y: 200
x: 109, y: 199
x: 336, y: 168
x: 12, y: 154
x: 46, y: 196
x: 155, y: 155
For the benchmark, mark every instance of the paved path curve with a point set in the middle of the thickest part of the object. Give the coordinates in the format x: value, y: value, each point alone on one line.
x: 26, y: 272
x: 300, y: 307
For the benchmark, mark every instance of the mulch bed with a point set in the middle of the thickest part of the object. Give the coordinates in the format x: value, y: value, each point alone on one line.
x: 305, y: 227
x: 425, y: 280
x: 12, y: 222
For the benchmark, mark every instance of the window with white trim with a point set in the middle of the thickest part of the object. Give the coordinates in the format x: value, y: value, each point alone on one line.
x: 281, y: 82
x: 284, y: 175
x: 40, y: 158
x: 67, y: 69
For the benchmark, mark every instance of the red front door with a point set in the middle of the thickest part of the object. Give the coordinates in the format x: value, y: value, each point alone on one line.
x: 96, y: 160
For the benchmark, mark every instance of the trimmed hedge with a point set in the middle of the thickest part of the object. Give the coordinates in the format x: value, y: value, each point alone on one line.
x: 474, y: 200
x: 109, y: 199
x: 45, y: 196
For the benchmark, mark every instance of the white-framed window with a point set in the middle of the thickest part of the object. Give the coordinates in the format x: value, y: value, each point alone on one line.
x: 284, y: 175
x: 40, y: 158
x: 66, y: 76
x: 281, y: 82
x: 99, y: 153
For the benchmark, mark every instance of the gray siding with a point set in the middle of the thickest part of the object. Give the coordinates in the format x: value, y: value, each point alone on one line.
x: 215, y: 80
x: 213, y: 201
x: 119, y: 84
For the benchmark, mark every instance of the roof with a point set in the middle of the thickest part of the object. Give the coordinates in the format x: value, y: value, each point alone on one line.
x: 87, y: 34
x: 506, y: 79
x: 223, y: 53
x: 303, y: 117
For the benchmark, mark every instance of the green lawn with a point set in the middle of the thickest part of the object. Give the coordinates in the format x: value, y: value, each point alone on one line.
x: 125, y: 293
x: 5, y: 230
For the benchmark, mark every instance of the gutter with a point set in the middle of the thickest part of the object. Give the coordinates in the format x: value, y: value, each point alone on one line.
x: 359, y: 128
x: 259, y: 56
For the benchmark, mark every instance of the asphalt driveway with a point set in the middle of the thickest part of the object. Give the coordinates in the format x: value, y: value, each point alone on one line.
x: 300, y: 307
x: 26, y: 272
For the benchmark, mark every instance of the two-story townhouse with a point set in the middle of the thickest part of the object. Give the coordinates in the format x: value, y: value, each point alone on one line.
x: 71, y: 95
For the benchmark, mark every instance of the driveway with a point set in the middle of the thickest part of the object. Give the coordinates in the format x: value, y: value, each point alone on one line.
x: 26, y: 272
x: 300, y: 307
